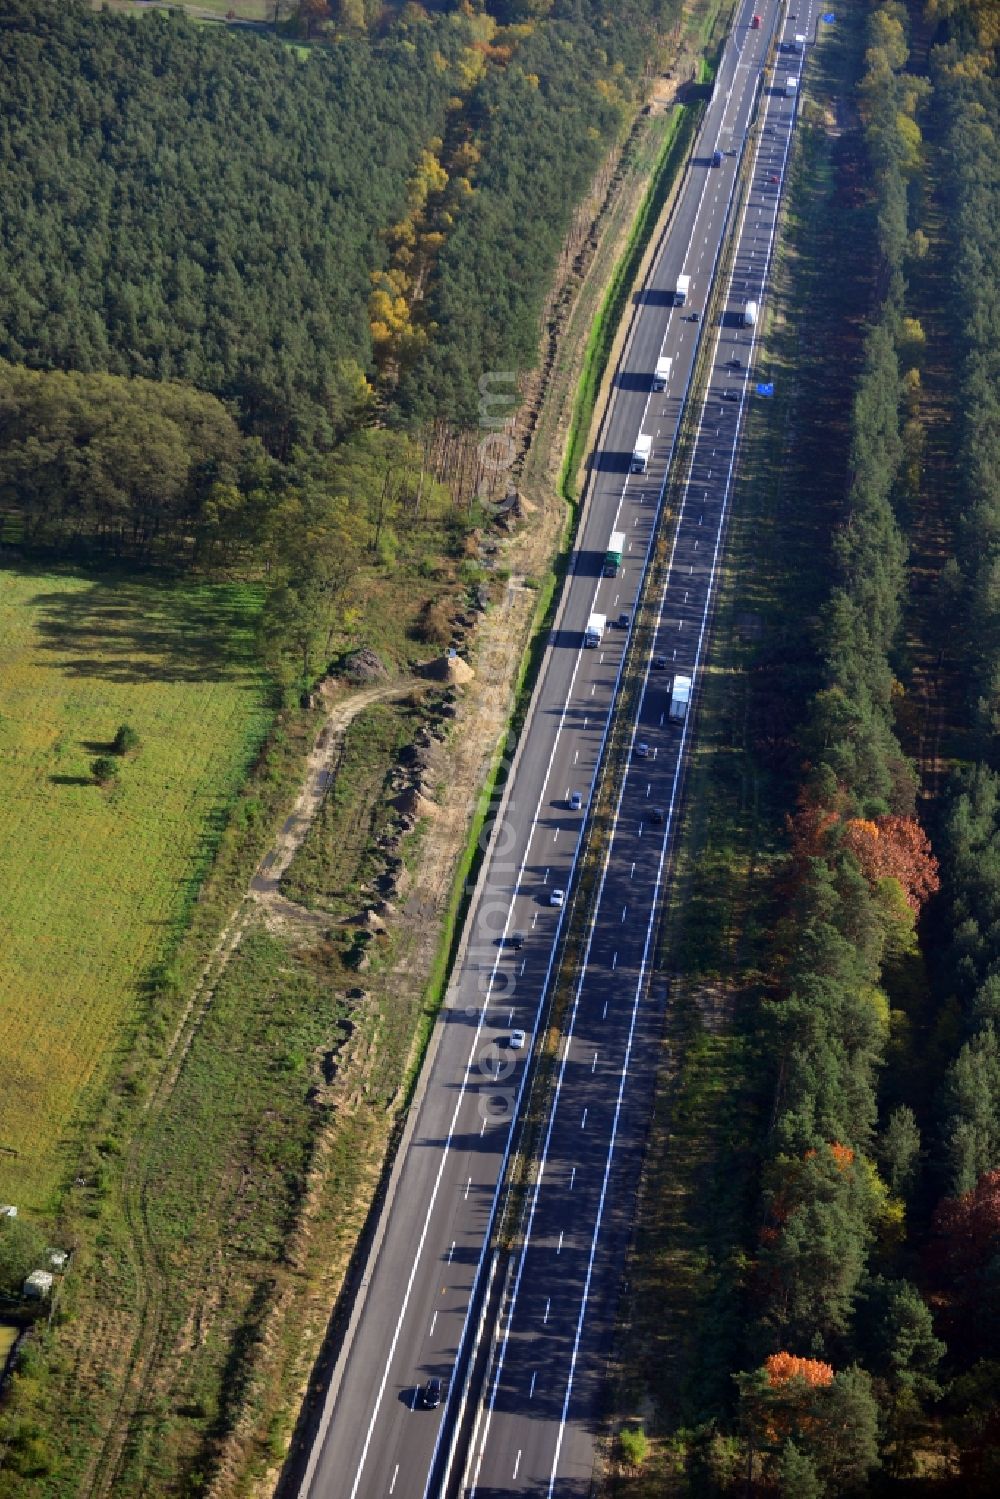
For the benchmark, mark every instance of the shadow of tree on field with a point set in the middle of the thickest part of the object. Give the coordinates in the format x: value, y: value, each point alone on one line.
x: 122, y: 631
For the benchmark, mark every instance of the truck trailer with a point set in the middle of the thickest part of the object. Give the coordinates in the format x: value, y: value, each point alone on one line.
x: 680, y: 698
x: 662, y: 372
x: 681, y: 290
x: 594, y: 633
x: 613, y: 556
x: 641, y: 452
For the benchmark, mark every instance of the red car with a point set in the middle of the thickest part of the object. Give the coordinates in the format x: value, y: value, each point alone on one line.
x: 755, y: 24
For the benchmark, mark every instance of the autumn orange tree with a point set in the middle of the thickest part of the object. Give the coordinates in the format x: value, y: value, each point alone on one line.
x: 896, y: 848
x: 830, y: 1417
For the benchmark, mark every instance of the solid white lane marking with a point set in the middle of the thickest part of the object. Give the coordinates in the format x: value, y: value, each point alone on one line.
x: 500, y: 1362
x: 649, y: 932
x: 433, y: 1325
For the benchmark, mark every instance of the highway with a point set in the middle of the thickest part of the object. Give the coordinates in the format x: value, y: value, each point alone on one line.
x: 535, y: 1428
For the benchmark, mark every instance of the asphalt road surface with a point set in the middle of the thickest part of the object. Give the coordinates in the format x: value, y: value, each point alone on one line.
x: 535, y: 1429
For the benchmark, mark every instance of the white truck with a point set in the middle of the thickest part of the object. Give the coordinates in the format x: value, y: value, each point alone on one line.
x: 750, y: 315
x: 640, y: 454
x: 680, y: 697
x: 594, y: 632
x: 662, y: 372
x: 681, y: 290
x: 791, y: 87
x: 799, y: 44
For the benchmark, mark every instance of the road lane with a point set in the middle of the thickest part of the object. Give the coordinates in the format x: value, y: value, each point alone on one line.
x: 552, y: 1432
x: 417, y: 1293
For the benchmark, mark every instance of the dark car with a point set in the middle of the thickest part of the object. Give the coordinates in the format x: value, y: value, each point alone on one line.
x: 660, y: 663
x: 516, y: 940
x: 430, y: 1395
x: 716, y: 158
x: 694, y: 317
x: 656, y: 815
x: 730, y: 395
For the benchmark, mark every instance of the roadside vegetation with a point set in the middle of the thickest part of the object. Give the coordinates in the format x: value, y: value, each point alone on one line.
x: 809, y: 1296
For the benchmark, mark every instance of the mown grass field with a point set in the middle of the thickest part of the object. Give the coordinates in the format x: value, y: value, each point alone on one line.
x: 96, y: 882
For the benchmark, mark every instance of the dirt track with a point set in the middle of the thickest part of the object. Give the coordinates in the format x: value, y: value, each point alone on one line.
x: 262, y: 892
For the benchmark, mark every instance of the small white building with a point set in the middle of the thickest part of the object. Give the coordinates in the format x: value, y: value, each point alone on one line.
x: 7, y: 1210
x: 57, y: 1259
x: 38, y: 1285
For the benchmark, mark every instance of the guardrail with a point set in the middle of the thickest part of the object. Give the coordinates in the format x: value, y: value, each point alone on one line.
x: 509, y: 1225
x: 509, y: 1222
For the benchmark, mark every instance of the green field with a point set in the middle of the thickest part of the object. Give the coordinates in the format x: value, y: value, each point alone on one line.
x: 97, y: 881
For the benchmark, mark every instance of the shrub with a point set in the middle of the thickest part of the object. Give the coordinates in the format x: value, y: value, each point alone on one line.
x: 22, y: 1249
x: 104, y: 770
x: 634, y: 1445
x: 125, y: 740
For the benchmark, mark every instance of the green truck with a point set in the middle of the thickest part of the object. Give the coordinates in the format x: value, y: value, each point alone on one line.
x: 613, y: 556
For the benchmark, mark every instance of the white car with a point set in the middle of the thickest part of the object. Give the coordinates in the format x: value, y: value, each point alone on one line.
x: 575, y: 801
x: 517, y: 1039
x: 557, y: 897
x: 642, y: 750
